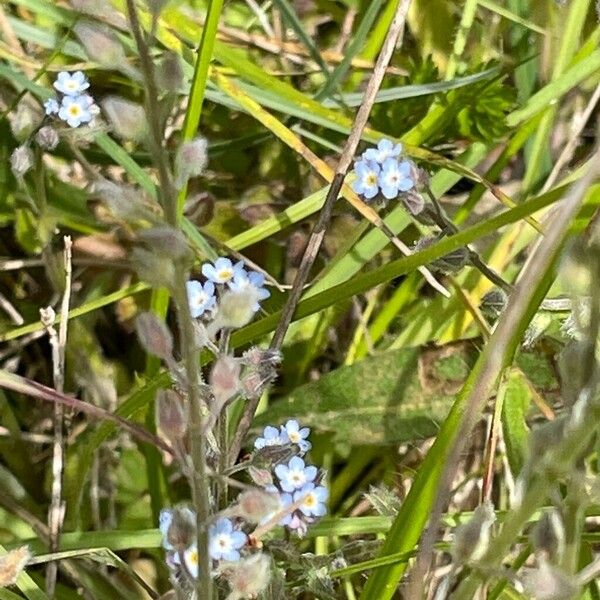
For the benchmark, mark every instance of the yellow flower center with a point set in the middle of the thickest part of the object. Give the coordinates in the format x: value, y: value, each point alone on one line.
x: 294, y: 436
x: 310, y: 500
x: 371, y: 179
x: 225, y: 274
x: 193, y: 557
x: 74, y: 110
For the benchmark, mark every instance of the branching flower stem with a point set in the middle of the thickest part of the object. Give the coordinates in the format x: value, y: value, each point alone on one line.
x: 190, y: 354
x: 442, y: 220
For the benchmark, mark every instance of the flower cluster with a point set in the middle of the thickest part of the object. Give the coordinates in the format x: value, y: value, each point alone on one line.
x: 178, y: 530
x: 222, y: 276
x: 76, y: 106
x: 383, y: 170
x: 302, y: 496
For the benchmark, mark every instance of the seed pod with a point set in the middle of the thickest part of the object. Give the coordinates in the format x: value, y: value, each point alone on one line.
x: 255, y: 505
x: 171, y: 414
x: 47, y: 138
x: 154, y: 336
x: 21, y: 160
x: 249, y: 577
x: 472, y: 539
x: 548, y: 536
x: 166, y: 241
x: 100, y: 43
x: 191, y: 160
x: 12, y: 565
x: 236, y: 309
x: 127, y: 118
x: 225, y: 380
x: 550, y: 583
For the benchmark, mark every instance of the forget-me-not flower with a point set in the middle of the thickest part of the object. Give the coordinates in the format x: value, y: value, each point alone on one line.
x: 242, y: 279
x: 297, y: 435
x: 190, y: 558
x: 52, y: 106
x: 271, y: 437
x: 200, y: 297
x: 385, y: 149
x: 71, y: 84
x: 295, y: 474
x: 396, y: 177
x: 75, y: 110
x: 222, y: 270
x: 225, y: 542
x: 312, y: 500
x: 367, y: 178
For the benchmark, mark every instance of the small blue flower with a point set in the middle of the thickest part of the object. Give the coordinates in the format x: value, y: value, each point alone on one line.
x: 295, y: 474
x: 241, y: 280
x: 224, y: 543
x: 396, y: 177
x: 71, y: 84
x: 312, y: 500
x: 385, y: 149
x: 164, y: 522
x: 75, y: 110
x: 222, y: 270
x: 52, y: 107
x: 367, y: 178
x: 296, y: 435
x: 271, y: 437
x: 200, y: 297
x: 190, y: 558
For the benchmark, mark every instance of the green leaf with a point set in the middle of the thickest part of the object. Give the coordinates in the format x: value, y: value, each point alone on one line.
x: 394, y: 397
x: 516, y: 400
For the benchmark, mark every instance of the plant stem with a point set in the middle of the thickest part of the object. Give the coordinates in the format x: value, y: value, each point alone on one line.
x: 199, y: 475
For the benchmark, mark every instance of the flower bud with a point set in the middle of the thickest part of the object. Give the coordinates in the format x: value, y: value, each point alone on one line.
x: 12, y: 565
x: 21, y: 160
x: 472, y: 538
x: 493, y: 303
x: 548, y: 536
x: 249, y: 577
x: 100, y: 43
x: 127, y: 118
x: 191, y: 160
x: 170, y: 73
x: 47, y: 138
x: 125, y: 202
x: 154, y: 336
x: 255, y: 505
x: 256, y: 356
x: 182, y: 529
x: 261, y: 477
x: 157, y: 270
x: 549, y: 583
x: 166, y: 241
x: 225, y: 380
x: 413, y: 201
x: 236, y: 308
x: 171, y: 414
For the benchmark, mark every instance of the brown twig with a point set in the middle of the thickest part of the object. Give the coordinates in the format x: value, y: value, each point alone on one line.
x: 318, y: 232
x: 22, y: 385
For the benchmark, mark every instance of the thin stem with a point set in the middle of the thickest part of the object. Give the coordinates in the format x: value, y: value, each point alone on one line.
x: 442, y: 220
x: 222, y: 433
x: 318, y: 233
x: 165, y: 189
x: 198, y: 476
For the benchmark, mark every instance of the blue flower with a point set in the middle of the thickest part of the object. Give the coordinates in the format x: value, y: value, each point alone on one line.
x: 164, y: 522
x: 222, y: 270
x: 385, y: 149
x: 71, y: 85
x: 52, y: 107
x: 296, y: 435
x: 312, y: 500
x: 190, y: 558
x: 75, y: 110
x: 295, y: 474
x: 241, y: 280
x: 224, y: 543
x: 271, y: 437
x: 367, y: 178
x: 200, y: 297
x: 396, y: 177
